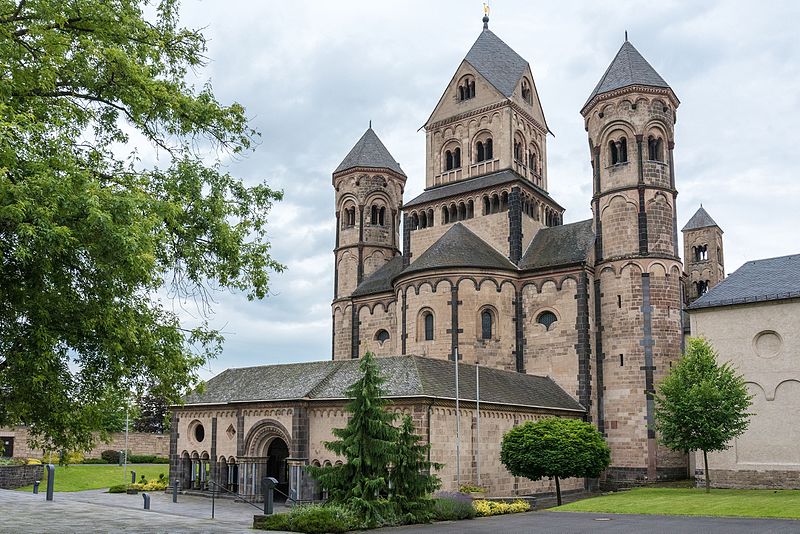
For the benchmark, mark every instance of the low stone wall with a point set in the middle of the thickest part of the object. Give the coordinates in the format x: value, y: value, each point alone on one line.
x: 615, y: 478
x: 16, y: 476
x: 138, y: 443
x: 749, y: 479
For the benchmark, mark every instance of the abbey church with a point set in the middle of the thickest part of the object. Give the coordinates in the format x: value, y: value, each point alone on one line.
x: 545, y: 318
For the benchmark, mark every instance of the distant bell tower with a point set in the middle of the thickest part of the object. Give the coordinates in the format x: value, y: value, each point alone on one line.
x: 702, y: 252
x: 630, y: 118
x: 369, y: 187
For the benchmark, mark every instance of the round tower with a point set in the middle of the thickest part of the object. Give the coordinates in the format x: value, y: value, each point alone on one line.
x: 630, y: 118
x: 369, y: 187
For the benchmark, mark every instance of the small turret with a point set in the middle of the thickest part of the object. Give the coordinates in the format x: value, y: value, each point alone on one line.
x: 703, y: 255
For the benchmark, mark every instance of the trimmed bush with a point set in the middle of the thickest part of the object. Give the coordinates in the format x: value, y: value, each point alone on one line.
x: 485, y: 508
x: 111, y: 457
x: 120, y: 488
x: 470, y: 488
x: 312, y: 519
x: 452, y: 507
x: 94, y: 461
x: 146, y: 459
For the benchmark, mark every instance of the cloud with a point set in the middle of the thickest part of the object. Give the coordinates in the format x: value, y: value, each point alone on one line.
x: 312, y: 74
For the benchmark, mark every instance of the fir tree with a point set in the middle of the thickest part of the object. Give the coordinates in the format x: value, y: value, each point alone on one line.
x: 368, y: 444
x: 412, y: 480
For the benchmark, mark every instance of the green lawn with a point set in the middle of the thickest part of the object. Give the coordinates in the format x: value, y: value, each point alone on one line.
x: 92, y: 476
x: 685, y: 501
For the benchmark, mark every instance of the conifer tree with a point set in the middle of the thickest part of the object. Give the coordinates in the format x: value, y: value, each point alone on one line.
x: 367, y: 443
x: 412, y: 480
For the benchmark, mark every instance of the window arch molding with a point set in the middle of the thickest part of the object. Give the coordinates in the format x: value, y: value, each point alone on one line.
x: 482, y: 146
x: 466, y: 88
x: 526, y: 90
x: 519, y: 148
x: 382, y: 336
x: 487, y: 325
x: 451, y: 155
x: 426, y: 325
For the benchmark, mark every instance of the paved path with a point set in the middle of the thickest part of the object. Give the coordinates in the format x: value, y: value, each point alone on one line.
x: 95, y: 511
x: 572, y: 522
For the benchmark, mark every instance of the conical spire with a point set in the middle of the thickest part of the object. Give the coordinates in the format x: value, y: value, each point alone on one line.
x: 627, y: 68
x: 369, y: 151
x: 701, y: 219
x: 497, y: 62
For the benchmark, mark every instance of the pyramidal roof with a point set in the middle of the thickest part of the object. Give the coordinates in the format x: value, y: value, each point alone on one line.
x: 701, y: 219
x: 627, y: 68
x: 497, y: 62
x: 459, y: 247
x: 369, y: 151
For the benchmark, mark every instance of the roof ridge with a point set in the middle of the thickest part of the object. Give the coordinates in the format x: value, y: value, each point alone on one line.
x: 336, y: 365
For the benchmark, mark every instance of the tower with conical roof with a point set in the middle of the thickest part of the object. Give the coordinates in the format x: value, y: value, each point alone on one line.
x: 702, y: 253
x: 630, y: 118
x: 369, y: 187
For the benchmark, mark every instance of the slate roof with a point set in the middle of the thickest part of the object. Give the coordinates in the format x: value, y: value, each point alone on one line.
x: 627, y: 68
x: 459, y: 247
x: 497, y: 62
x: 471, y: 184
x: 406, y: 376
x: 756, y: 281
x: 701, y: 219
x: 369, y: 151
x: 381, y: 280
x: 559, y: 245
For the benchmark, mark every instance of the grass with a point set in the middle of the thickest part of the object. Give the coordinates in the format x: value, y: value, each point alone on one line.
x: 694, y: 501
x: 85, y: 477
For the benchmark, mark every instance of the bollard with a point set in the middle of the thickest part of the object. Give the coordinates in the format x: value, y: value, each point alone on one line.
x: 119, y: 458
x: 146, y: 498
x: 175, y: 488
x: 268, y: 487
x: 133, y: 477
x: 36, y: 487
x: 51, y: 475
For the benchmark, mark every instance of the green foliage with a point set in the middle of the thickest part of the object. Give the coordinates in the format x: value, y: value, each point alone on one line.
x: 453, y: 507
x: 147, y: 459
x: 119, y: 488
x: 90, y: 234
x: 111, y: 457
x: 700, y: 404
x: 94, y: 461
x: 153, y: 414
x: 555, y: 447
x: 313, y: 519
x: 373, y: 446
x: 471, y: 488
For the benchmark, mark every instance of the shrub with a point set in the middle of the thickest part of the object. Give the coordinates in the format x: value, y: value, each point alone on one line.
x: 94, y: 461
x: 121, y: 488
x: 33, y: 461
x: 273, y: 522
x: 452, y: 507
x: 111, y: 457
x: 469, y: 488
x: 312, y: 519
x: 63, y: 457
x: 485, y: 508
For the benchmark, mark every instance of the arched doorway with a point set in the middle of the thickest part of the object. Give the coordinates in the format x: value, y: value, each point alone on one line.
x: 277, y: 453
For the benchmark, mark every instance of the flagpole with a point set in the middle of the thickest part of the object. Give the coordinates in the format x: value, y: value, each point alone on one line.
x: 458, y: 426
x: 478, y: 417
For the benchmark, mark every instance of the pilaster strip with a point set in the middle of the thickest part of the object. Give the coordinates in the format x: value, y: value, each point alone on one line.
x: 515, y: 225
x: 583, y: 347
x: 648, y: 368
x: 599, y: 355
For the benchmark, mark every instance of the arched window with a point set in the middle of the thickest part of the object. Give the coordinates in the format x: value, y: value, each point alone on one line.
x: 466, y: 88
x: 654, y: 149
x: 350, y: 216
x: 504, y: 201
x: 453, y: 213
x: 374, y: 214
x: 526, y: 91
x: 702, y: 287
x: 518, y: 151
x: 448, y: 161
x: 462, y: 211
x: 382, y: 216
x: 495, y: 203
x: 381, y: 336
x: 700, y: 253
x: 430, y: 217
x: 618, y: 151
x: 457, y: 158
x: 488, y: 145
x: 487, y: 324
x: 480, y: 155
x: 414, y: 221
x: 547, y: 318
x: 470, y: 209
x: 613, y: 152
x: 486, y: 206
x: 423, y: 219
x: 427, y: 319
x: 445, y: 215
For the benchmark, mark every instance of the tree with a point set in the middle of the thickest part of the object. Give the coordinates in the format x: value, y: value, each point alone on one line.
x: 372, y: 446
x: 555, y: 448
x: 94, y: 241
x: 153, y: 414
x: 701, y: 405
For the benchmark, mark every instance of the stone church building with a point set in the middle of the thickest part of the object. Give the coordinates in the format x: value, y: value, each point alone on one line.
x: 579, y: 319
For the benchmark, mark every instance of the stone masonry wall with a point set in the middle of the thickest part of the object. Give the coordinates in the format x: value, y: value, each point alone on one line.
x: 17, y: 476
x: 138, y: 443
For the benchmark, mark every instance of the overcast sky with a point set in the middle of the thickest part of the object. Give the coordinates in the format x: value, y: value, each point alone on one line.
x: 313, y: 74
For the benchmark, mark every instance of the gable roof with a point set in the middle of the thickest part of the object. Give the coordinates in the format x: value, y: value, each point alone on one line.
x: 381, y: 280
x: 497, y: 62
x: 473, y: 184
x: 756, y: 281
x: 406, y: 376
x: 459, y: 247
x: 627, y: 68
x: 559, y: 245
x: 701, y: 219
x: 369, y: 151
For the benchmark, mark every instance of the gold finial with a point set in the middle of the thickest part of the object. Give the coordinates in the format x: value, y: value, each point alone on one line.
x: 486, y: 9
x: 485, y: 16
